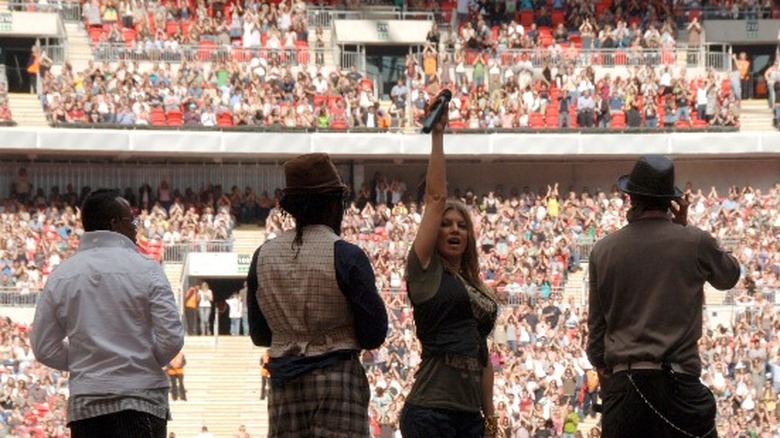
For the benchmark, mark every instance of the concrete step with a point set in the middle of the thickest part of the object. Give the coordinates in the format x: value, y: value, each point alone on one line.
x: 247, y: 238
x: 222, y: 379
x: 26, y: 110
x: 755, y: 115
x: 79, y: 46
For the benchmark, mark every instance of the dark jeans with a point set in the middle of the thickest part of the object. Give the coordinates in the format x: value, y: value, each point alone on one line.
x: 123, y: 424
x: 177, y: 387
x: 191, y: 316
x: 419, y: 422
x: 680, y: 398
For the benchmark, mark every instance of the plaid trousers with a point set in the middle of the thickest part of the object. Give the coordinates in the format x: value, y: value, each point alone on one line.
x: 330, y: 402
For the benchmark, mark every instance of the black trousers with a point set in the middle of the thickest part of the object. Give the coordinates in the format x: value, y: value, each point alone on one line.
x: 122, y: 424
x: 681, y: 400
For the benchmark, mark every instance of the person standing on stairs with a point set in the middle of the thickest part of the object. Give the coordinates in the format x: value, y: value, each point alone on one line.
x: 175, y: 371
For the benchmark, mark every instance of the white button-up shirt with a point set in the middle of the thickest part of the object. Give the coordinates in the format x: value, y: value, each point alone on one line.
x: 108, y: 316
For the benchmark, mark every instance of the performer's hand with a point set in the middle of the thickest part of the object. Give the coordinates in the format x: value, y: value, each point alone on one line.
x: 604, y: 374
x: 441, y: 124
x: 680, y: 210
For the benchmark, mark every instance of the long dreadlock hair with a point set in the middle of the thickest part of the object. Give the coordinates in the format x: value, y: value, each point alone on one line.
x: 312, y: 209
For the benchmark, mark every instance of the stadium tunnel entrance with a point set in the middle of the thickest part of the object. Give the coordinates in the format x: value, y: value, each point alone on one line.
x: 15, y: 54
x: 222, y: 288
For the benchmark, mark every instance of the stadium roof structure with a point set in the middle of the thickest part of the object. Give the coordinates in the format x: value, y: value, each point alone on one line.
x: 120, y: 145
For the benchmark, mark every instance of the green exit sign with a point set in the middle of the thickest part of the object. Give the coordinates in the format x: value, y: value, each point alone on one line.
x: 751, y: 29
x: 383, y: 30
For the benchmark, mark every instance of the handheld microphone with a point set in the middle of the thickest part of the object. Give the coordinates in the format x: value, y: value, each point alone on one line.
x: 439, y: 107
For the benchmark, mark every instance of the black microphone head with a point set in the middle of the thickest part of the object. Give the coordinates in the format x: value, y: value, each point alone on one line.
x: 446, y: 95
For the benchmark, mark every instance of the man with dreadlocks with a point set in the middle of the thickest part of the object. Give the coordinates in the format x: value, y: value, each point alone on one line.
x: 312, y: 300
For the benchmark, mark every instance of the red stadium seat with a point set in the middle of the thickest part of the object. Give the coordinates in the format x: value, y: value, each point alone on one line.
x: 619, y: 120
x: 338, y: 124
x: 224, y: 119
x: 171, y: 27
x: 668, y: 57
x: 320, y: 99
x: 302, y: 55
x: 206, y: 49
x: 95, y: 33
x: 558, y: 17
x: 526, y: 18
x: 174, y: 118
x: 457, y: 125
x: 536, y: 120
x: 157, y: 117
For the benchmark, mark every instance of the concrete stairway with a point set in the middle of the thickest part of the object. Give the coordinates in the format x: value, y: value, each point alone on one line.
x: 26, y: 110
x: 223, y: 388
x: 327, y: 38
x: 79, y: 50
x: 247, y: 238
x: 755, y: 115
x: 173, y: 273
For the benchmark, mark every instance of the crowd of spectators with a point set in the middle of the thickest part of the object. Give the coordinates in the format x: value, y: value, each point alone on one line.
x: 5, y: 111
x: 231, y: 93
x: 156, y: 28
x: 41, y: 230
x: 508, y: 69
x: 531, y: 241
x: 33, y: 398
x: 489, y: 94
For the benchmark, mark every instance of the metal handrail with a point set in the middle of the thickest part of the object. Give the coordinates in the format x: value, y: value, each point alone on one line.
x: 177, y: 252
x: 13, y: 297
x: 697, y: 56
x: 70, y: 12
x: 323, y: 16
x: 115, y: 51
x: 713, y: 13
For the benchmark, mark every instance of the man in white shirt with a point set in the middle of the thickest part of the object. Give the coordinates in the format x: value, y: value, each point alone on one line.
x: 236, y: 308
x: 107, y: 315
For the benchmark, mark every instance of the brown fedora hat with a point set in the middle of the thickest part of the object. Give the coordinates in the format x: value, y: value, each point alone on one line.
x: 653, y: 176
x: 312, y: 174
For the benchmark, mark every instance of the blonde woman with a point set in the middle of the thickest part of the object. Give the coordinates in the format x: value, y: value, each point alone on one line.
x: 454, y: 312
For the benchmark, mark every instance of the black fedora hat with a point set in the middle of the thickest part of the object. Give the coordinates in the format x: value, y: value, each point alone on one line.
x: 653, y: 176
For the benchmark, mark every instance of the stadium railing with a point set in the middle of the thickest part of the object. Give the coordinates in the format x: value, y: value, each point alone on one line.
x: 13, y: 297
x: 115, y: 51
x: 701, y: 56
x: 405, y: 130
x: 324, y: 16
x: 715, y: 13
x: 737, y: 299
x: 69, y: 11
x: 177, y: 252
